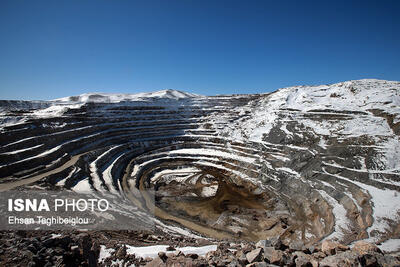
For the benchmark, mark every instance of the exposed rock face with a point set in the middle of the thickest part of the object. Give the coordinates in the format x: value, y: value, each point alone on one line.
x: 302, y: 163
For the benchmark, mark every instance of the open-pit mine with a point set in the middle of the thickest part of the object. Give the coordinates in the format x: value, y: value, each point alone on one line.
x: 303, y: 163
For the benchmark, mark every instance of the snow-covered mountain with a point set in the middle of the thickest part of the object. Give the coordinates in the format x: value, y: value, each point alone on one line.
x: 305, y: 162
x: 113, y: 98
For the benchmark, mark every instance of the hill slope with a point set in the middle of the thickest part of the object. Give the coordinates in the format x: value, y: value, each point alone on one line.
x: 305, y: 162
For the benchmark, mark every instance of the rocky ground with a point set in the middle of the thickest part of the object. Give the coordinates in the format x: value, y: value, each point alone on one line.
x: 39, y: 248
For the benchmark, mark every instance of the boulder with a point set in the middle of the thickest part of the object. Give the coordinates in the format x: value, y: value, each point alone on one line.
x: 162, y: 256
x: 319, y: 255
x: 332, y: 247
x: 344, y: 259
x: 121, y: 252
x: 288, y: 259
x: 156, y: 262
x: 364, y: 247
x: 272, y: 255
x: 304, y: 260
x: 387, y: 260
x: 296, y: 245
x: 369, y: 260
x: 254, y: 255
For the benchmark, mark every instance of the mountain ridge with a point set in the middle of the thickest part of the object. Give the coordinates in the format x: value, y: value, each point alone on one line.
x: 117, y: 97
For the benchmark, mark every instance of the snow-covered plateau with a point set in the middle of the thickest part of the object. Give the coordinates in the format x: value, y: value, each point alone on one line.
x: 304, y: 162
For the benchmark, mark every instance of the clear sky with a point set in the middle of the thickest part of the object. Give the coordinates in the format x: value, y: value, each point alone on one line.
x: 51, y: 49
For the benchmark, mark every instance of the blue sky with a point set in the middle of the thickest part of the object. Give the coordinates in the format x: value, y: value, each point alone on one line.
x: 50, y: 49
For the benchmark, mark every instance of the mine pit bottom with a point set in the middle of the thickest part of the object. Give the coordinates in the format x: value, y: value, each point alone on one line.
x: 226, y: 209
